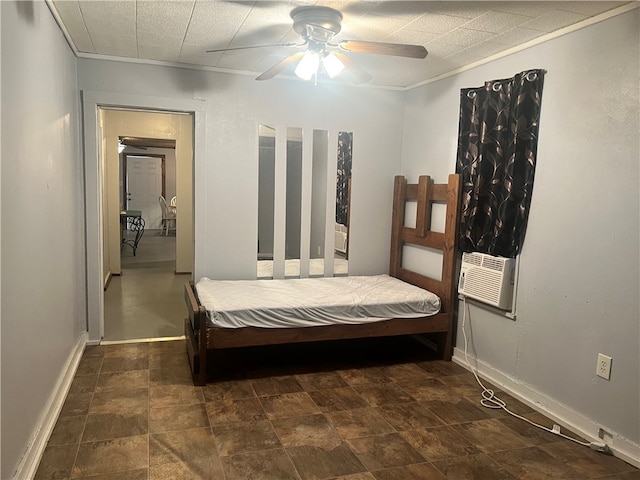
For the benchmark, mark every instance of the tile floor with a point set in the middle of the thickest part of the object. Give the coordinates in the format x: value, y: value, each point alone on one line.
x: 299, y: 412
x: 147, y: 300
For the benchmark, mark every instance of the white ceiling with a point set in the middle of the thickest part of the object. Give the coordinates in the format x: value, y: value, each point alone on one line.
x: 456, y: 34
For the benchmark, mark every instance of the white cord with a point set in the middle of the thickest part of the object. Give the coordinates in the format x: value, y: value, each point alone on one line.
x: 490, y: 400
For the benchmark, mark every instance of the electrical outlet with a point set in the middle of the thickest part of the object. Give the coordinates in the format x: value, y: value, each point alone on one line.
x: 604, y: 366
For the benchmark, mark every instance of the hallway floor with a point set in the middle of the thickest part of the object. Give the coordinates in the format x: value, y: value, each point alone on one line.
x: 146, y: 301
x: 356, y: 410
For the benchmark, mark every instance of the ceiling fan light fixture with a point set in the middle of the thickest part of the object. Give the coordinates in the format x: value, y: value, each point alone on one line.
x: 332, y: 65
x: 308, y: 66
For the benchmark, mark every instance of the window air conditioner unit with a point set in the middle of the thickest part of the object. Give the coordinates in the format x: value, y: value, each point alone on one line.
x: 487, y: 278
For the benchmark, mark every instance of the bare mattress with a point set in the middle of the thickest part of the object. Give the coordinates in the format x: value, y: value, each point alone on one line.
x: 309, y: 302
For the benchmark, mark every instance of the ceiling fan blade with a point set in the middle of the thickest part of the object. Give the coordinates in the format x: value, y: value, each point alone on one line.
x: 280, y: 66
x: 359, y: 74
x: 255, y: 46
x: 380, y: 48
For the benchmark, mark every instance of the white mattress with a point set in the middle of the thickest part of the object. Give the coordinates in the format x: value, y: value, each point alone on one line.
x: 292, y: 268
x: 312, y: 301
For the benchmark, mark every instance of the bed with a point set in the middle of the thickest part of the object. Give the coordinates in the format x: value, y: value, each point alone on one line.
x: 232, y: 314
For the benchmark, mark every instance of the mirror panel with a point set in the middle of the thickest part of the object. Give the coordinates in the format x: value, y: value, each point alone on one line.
x: 318, y: 201
x: 343, y: 203
x: 266, y: 199
x: 294, y: 197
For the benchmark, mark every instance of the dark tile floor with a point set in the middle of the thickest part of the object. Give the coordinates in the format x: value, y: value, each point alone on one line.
x: 290, y: 413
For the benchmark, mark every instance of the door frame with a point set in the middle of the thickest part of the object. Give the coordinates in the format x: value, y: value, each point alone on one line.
x: 92, y: 101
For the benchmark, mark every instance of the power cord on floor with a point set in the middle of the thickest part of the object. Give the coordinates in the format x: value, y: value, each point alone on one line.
x: 490, y: 400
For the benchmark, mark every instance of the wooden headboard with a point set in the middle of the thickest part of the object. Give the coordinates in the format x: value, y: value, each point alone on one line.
x: 426, y: 193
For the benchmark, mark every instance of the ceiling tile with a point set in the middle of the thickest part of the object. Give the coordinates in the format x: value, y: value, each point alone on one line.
x: 517, y: 36
x: 74, y: 23
x: 442, y: 49
x: 211, y: 20
x: 528, y: 9
x: 464, y: 37
x: 437, y: 23
x: 554, y: 20
x: 412, y: 37
x: 158, y: 53
x: 159, y: 40
x: 152, y: 16
x: 587, y: 8
x: 114, y: 17
x: 118, y: 45
x: 496, y: 22
x: 461, y: 9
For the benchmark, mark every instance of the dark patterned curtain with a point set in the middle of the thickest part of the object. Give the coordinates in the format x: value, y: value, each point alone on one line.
x: 497, y: 145
x: 345, y: 141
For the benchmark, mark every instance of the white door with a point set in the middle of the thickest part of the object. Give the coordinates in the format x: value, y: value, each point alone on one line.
x: 144, y: 186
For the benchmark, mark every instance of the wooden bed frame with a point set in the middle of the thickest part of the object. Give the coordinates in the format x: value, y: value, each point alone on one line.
x: 202, y: 337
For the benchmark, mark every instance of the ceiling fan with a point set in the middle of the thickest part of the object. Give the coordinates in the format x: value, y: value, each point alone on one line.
x: 317, y: 26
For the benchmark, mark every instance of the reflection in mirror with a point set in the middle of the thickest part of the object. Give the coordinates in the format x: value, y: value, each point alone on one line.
x: 294, y: 194
x: 313, y: 193
x: 343, y: 202
x: 266, y: 193
x: 318, y: 199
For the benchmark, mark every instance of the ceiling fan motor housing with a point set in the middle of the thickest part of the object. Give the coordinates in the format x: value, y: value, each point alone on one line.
x: 318, y: 24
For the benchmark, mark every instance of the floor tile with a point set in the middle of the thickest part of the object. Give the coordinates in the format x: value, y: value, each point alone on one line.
x: 315, y: 463
x: 418, y: 471
x: 405, y: 372
x: 89, y: 366
x: 76, y: 404
x: 130, y: 380
x: 196, y: 468
x: 140, y: 474
x: 357, y: 476
x: 127, y: 402
x: 110, y: 456
x: 533, y: 434
x: 171, y: 375
x: 441, y: 368
x: 310, y: 430
x: 335, y: 399
x: 94, y: 351
x: 180, y: 417
x: 173, y: 395
x: 83, y: 384
x: 585, y: 461
x: 360, y: 422
x: 57, y: 462
x: 384, y: 451
x: 276, y: 385
x: 363, y: 376
x: 127, y: 350
x: 68, y: 430
x: 472, y: 467
x: 456, y: 411
x: 265, y: 465
x: 463, y: 385
x: 408, y: 416
x: 431, y: 389
x: 233, y: 390
x: 383, y: 394
x: 289, y: 405
x: 320, y: 381
x: 534, y: 464
x: 236, y: 438
x: 113, y: 364
x: 226, y: 411
x: 180, y: 446
x: 105, y: 426
x: 491, y: 435
x: 439, y: 443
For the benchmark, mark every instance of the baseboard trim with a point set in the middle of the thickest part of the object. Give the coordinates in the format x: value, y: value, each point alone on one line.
x: 563, y: 415
x: 31, y: 459
x: 141, y: 340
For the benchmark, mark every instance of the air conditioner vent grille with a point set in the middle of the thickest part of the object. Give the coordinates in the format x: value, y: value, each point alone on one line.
x: 493, y: 263
x: 472, y: 258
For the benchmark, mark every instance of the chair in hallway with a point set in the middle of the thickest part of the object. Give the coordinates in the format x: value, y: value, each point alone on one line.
x: 168, y: 216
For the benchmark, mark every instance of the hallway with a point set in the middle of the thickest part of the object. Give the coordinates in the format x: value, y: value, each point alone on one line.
x: 146, y: 301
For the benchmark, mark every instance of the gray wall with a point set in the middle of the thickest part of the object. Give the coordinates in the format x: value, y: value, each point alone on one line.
x: 43, y: 285
x: 579, y: 282
x: 236, y: 105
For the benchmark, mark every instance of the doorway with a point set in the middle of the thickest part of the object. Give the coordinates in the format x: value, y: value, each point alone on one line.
x: 143, y: 298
